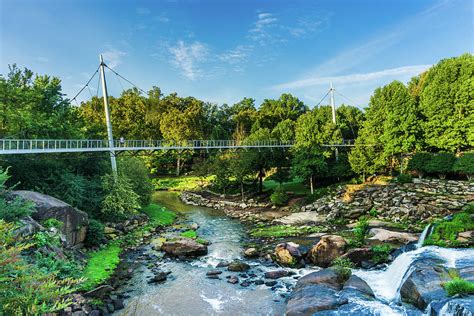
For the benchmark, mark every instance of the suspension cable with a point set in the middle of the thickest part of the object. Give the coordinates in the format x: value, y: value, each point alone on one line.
x: 86, y: 85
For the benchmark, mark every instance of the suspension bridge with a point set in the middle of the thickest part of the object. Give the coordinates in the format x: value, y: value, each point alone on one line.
x: 10, y: 146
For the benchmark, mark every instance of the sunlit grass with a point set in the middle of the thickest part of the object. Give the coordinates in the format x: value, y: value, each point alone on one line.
x: 184, y: 183
x: 296, y: 186
x: 159, y: 214
x: 101, y: 265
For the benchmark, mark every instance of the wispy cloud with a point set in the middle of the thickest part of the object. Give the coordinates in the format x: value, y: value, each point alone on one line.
x: 261, y: 30
x: 113, y: 57
x: 162, y: 18
x: 42, y: 59
x: 351, y: 78
x: 186, y: 57
x: 236, y: 57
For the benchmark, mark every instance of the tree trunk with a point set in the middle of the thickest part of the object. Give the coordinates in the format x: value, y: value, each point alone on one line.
x: 401, y: 163
x: 260, y: 179
x: 311, y: 184
x: 242, y: 190
x: 178, y: 161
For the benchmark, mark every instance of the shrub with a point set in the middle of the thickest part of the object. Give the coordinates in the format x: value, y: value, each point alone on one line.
x: 381, y: 253
x: 445, y: 232
x: 11, y: 209
x: 53, y: 223
x: 95, y: 233
x: 63, y: 269
x: 459, y: 286
x: 44, y: 238
x: 120, y: 200
x: 25, y: 289
x: 465, y: 165
x: 279, y: 198
x: 418, y: 163
x: 360, y: 231
x: 137, y: 174
x: 404, y: 178
x: 343, y: 267
x: 373, y: 212
x: 441, y: 164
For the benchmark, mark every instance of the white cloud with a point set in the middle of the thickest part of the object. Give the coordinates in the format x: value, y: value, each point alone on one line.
x: 353, y: 78
x: 261, y: 29
x: 113, y: 57
x: 162, y: 18
x: 236, y: 57
x: 187, y: 57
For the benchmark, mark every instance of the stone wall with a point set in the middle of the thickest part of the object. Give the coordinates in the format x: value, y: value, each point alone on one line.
x: 419, y: 200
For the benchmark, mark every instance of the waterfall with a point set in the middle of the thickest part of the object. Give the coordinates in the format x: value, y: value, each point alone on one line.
x: 423, y: 236
x: 386, y: 283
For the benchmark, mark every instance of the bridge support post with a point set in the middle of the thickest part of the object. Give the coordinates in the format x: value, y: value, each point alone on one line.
x: 107, y: 117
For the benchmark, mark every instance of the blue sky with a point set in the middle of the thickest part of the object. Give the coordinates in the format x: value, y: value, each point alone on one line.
x: 222, y: 51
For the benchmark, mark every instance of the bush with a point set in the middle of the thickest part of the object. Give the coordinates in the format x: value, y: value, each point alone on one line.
x: 63, y: 269
x: 465, y: 165
x: 52, y: 223
x: 343, y: 267
x: 11, y: 209
x: 381, y: 253
x: 279, y: 198
x: 95, y: 233
x: 459, y: 286
x: 404, y: 178
x: 360, y: 233
x: 445, y: 232
x: 418, y: 163
x: 441, y: 164
x: 137, y: 174
x: 25, y: 289
x: 120, y: 201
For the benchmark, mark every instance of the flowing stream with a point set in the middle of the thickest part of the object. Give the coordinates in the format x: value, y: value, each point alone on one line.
x: 188, y: 292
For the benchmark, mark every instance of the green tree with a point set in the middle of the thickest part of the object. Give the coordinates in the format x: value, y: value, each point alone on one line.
x: 465, y: 165
x: 11, y: 209
x: 308, y: 163
x: 120, y: 201
x: 447, y: 104
x: 137, y: 174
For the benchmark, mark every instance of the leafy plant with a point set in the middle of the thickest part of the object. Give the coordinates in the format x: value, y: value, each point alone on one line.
x: 45, y: 238
x: 63, y: 269
x: 465, y: 165
x: 120, y: 201
x: 11, y: 209
x: 25, y: 289
x: 279, y: 198
x: 381, y: 253
x: 137, y: 174
x: 418, y: 163
x: 441, y: 164
x: 445, y: 232
x: 343, y: 267
x: 404, y: 178
x: 459, y: 286
x: 373, y: 212
x: 360, y: 232
x: 95, y: 233
x: 53, y: 223
x: 189, y: 234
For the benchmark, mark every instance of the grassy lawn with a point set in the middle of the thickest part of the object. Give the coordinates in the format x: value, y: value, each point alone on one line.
x: 284, y: 231
x: 159, y: 214
x: 296, y: 186
x: 101, y: 265
x: 183, y: 183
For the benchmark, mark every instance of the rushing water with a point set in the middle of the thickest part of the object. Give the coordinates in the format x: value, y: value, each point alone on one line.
x: 187, y: 291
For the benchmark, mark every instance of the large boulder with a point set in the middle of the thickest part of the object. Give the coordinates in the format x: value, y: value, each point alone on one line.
x: 238, y: 266
x: 359, y: 256
x: 184, y: 247
x: 384, y: 235
x: 74, y: 221
x: 327, y: 249
x: 287, y: 254
x: 424, y: 283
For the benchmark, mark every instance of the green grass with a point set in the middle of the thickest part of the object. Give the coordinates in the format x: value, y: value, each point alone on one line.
x: 189, y: 234
x: 159, y: 214
x: 101, y: 265
x: 459, y: 286
x: 296, y: 186
x: 184, y: 183
x: 445, y: 232
x: 284, y: 231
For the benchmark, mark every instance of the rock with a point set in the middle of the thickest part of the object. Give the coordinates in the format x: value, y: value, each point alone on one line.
x: 328, y: 277
x: 99, y: 291
x: 466, y: 237
x: 194, y: 226
x: 301, y: 218
x: 222, y: 264
x: 287, y: 254
x: 213, y: 272
x: 157, y: 243
x: 110, y: 230
x: 245, y: 284
x: 276, y: 274
x: 238, y: 266
x: 358, y: 284
x: 74, y: 221
x: 233, y: 280
x: 311, y: 299
x: 27, y: 227
x: 118, y: 304
x: 184, y: 247
x: 213, y: 276
x: 327, y: 249
x: 359, y: 255
x: 459, y: 306
x: 271, y: 283
x: 259, y: 282
x: 424, y: 284
x: 251, y: 252
x: 385, y: 235
x: 159, y: 277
